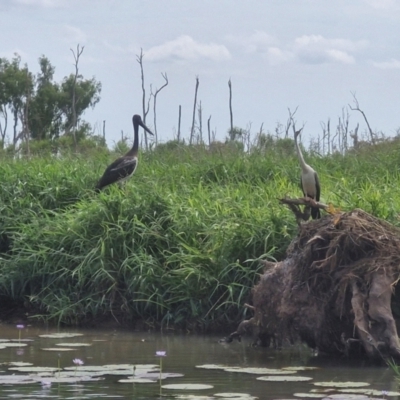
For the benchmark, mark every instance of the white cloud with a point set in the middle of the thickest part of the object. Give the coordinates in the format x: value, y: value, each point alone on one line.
x: 75, y: 34
x: 392, y: 64
x: 258, y: 42
x: 41, y: 3
x: 340, y: 56
x: 185, y: 48
x: 309, y: 49
x: 276, y: 56
x: 383, y: 4
x: 315, y: 49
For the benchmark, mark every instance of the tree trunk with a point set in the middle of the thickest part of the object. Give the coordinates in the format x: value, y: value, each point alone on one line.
x: 194, y: 111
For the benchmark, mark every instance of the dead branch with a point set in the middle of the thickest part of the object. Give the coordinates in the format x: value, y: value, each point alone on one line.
x: 194, y: 110
x: 179, y: 123
x: 357, y: 108
x: 164, y: 75
x: 209, y: 130
x: 304, y: 215
x: 76, y: 55
x: 230, y: 107
x: 200, y: 115
x: 145, y: 111
x: 290, y: 121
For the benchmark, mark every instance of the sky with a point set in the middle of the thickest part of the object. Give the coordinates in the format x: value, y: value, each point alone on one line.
x: 312, y: 55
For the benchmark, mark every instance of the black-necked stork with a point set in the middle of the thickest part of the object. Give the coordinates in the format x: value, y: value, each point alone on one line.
x: 123, y: 167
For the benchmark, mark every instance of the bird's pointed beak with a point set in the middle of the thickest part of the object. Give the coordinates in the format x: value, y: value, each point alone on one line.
x: 146, y: 128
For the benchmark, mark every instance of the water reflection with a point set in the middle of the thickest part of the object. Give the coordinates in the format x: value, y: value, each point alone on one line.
x: 183, y: 354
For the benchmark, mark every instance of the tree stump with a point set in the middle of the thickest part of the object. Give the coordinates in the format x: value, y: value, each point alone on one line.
x: 335, y: 290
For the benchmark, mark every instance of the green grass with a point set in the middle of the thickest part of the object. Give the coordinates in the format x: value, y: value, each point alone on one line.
x: 178, y: 244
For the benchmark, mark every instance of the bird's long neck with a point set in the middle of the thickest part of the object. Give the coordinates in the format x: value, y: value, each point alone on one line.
x: 135, y: 147
x: 303, y: 164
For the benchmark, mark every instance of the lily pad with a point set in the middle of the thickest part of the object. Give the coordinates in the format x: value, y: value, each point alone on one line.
x: 212, y: 366
x: 299, y: 368
x: 341, y: 384
x: 57, y: 349
x: 259, y: 371
x: 34, y: 369
x: 310, y: 395
x: 19, y: 363
x: 60, y: 335
x: 187, y: 386
x: 281, y: 378
x: 137, y: 380
x: 69, y: 379
x: 193, y: 397
x: 74, y: 344
x: 16, y: 379
x: 156, y: 375
x: 235, y: 395
x: 369, y: 392
x: 110, y: 367
x: 12, y: 344
x: 347, y: 397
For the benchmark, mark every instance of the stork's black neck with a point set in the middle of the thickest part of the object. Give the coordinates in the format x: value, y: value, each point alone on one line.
x: 135, y: 147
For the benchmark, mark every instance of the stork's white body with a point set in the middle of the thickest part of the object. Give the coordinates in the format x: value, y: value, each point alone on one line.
x: 309, y: 180
x: 308, y: 177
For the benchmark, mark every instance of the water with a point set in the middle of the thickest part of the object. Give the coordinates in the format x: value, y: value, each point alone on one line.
x: 183, y: 354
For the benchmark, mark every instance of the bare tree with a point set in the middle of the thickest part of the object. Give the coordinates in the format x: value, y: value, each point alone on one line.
x: 230, y: 109
x: 357, y: 108
x: 3, y: 130
x: 194, y: 111
x: 278, y: 130
x: 209, y: 130
x: 25, y: 120
x: 145, y: 110
x: 344, y: 130
x: 164, y: 75
x: 200, y: 114
x: 354, y: 136
x: 289, y: 121
x: 179, y: 123
x: 76, y: 55
x: 323, y: 127
x: 247, y: 137
x: 104, y: 129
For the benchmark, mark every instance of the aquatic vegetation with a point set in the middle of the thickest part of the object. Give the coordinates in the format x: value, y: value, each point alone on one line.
x: 77, y: 361
x: 20, y: 327
x: 148, y: 379
x: 160, y: 354
x: 341, y: 384
x: 188, y: 386
x: 284, y: 378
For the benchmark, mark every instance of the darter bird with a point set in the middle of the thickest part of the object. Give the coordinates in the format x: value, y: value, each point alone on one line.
x: 124, y: 167
x: 309, y: 180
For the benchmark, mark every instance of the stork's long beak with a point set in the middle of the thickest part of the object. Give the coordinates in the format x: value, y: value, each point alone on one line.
x: 145, y: 128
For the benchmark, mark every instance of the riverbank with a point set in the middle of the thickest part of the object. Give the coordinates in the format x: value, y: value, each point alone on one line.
x: 178, y: 245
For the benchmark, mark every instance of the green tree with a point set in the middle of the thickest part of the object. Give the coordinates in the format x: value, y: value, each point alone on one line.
x: 45, y: 114
x: 43, y: 108
x: 4, y: 101
x: 18, y: 86
x: 87, y: 94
